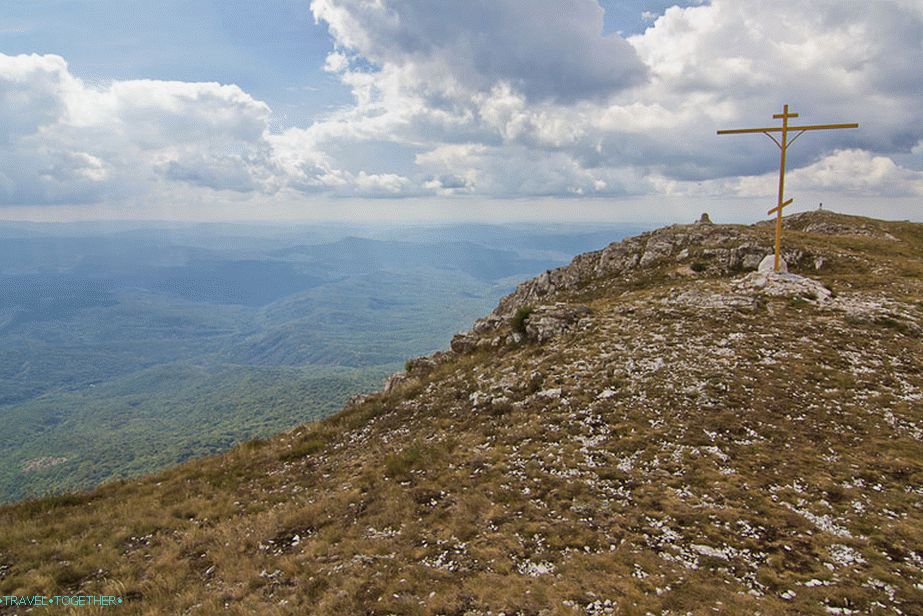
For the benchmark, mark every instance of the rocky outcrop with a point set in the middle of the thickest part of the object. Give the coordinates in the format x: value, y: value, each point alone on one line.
x: 414, y: 370
x: 822, y: 222
x: 421, y: 366
x: 699, y: 247
x: 464, y: 342
x: 540, y: 324
x: 783, y: 284
x: 393, y: 382
x: 547, y: 322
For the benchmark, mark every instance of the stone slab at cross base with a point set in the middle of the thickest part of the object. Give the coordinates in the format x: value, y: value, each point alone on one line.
x: 783, y: 284
x: 768, y: 264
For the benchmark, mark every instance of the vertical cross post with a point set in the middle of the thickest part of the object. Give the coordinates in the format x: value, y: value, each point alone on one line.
x: 783, y: 147
x: 785, y: 115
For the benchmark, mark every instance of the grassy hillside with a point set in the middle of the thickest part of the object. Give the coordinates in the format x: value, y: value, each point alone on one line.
x: 666, y: 433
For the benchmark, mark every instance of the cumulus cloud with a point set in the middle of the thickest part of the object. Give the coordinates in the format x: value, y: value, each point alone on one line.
x: 64, y: 141
x: 852, y: 171
x: 429, y: 79
x: 501, y: 98
x: 30, y: 93
x: 860, y: 172
x: 834, y: 61
x: 546, y: 49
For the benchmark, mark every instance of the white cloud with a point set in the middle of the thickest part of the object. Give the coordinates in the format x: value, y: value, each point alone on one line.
x: 440, y: 50
x: 65, y: 141
x: 831, y: 59
x: 420, y: 82
x: 31, y: 93
x: 500, y: 99
x: 852, y: 171
x: 858, y: 171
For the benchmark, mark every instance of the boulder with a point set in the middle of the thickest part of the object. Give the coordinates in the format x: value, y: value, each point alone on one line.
x: 421, y: 366
x: 657, y: 248
x: 615, y: 259
x: 783, y: 284
x: 357, y: 400
x: 395, y: 380
x: 489, y: 323
x: 768, y: 264
x: 463, y: 343
x: 547, y: 322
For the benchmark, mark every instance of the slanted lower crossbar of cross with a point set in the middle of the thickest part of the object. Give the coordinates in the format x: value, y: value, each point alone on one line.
x: 778, y: 208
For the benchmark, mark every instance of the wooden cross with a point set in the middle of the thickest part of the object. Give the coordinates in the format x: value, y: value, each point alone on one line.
x: 783, y: 146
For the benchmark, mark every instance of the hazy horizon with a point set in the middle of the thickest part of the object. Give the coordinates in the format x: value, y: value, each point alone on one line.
x: 461, y: 211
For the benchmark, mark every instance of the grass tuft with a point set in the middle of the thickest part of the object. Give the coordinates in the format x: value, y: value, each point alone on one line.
x: 518, y: 322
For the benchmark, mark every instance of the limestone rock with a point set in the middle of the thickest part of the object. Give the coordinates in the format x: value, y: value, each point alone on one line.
x: 719, y: 249
x: 464, y: 342
x: 768, y: 264
x: 750, y: 261
x: 488, y: 324
x: 657, y: 248
x: 356, y: 400
x: 783, y: 284
x: 421, y: 366
x: 616, y: 258
x: 744, y: 256
x: 547, y: 322
x: 395, y: 380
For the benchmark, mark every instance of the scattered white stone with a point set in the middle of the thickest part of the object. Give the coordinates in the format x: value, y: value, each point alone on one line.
x: 823, y: 522
x: 844, y: 555
x: 815, y: 582
x: 627, y: 463
x: 707, y: 550
x: 533, y: 569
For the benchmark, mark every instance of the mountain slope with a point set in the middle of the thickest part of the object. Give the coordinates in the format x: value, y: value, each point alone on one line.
x: 651, y: 429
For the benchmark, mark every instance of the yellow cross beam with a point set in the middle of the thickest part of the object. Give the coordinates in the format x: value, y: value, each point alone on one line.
x: 785, y: 129
x: 780, y: 206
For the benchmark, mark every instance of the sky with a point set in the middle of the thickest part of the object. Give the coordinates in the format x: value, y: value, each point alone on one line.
x: 448, y: 110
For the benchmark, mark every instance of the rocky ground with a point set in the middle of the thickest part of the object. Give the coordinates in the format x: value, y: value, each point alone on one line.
x: 654, y: 429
